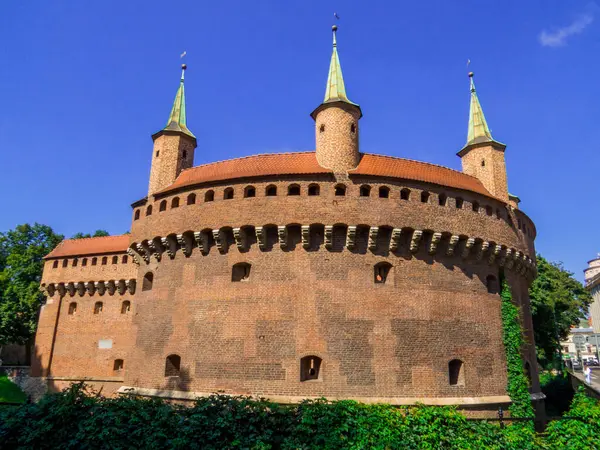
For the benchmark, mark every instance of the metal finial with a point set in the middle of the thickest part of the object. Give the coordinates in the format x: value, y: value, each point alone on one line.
x: 183, y: 69
x: 471, y: 74
x: 334, y: 29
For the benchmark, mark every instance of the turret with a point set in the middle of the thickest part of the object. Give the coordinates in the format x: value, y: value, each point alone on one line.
x: 483, y: 157
x: 173, y: 145
x: 336, y: 122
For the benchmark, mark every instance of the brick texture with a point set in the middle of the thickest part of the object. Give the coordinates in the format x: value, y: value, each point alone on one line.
x: 337, y: 137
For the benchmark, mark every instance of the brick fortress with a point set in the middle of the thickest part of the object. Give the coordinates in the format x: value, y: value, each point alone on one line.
x: 331, y: 273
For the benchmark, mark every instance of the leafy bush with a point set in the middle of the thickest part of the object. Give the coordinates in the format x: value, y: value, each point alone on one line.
x: 558, y: 391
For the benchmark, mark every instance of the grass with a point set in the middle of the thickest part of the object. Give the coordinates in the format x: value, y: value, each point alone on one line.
x: 9, y: 391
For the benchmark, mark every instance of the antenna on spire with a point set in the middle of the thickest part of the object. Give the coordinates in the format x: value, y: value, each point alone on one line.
x: 334, y: 29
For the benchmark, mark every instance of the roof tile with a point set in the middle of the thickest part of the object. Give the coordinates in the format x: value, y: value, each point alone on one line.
x: 90, y: 246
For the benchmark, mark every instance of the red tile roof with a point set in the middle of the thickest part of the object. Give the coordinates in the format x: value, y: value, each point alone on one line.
x: 90, y: 246
x: 306, y: 163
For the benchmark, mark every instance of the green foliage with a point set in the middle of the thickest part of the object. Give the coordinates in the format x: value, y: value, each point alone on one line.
x: 9, y: 391
x: 581, y: 434
x: 558, y: 302
x: 558, y: 391
x: 21, y: 265
x: 97, y: 233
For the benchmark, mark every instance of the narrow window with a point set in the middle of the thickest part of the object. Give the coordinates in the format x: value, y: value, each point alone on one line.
x: 191, y: 199
x: 340, y: 190
x: 381, y: 272
x: 483, y: 163
x: 175, y: 202
x: 124, y: 259
x: 66, y: 261
x: 310, y: 367
x: 240, y: 272
x: 442, y: 199
x: 163, y: 206
x: 424, y: 197
x: 459, y: 203
x: 365, y: 190
x: 125, y: 307
x: 294, y: 189
x: 98, y: 308
x: 94, y: 261
x: 405, y: 194
x: 498, y: 214
x: 456, y: 375
x: 55, y: 264
x: 518, y: 225
x: 228, y: 194
x: 314, y: 189
x: 322, y: 128
x: 352, y: 128
x: 475, y: 207
x: 249, y: 192
x: 157, y: 153
x: 492, y: 284
x: 184, y: 154
x: 271, y: 191
x: 384, y: 192
x: 147, y: 283
x: 137, y: 214
x: 172, y: 366
x: 489, y: 210
x: 84, y: 262
x: 209, y: 196
x: 74, y: 263
x: 118, y: 365
x: 149, y: 210
x: 104, y: 260
x: 72, y: 308
x: 115, y: 259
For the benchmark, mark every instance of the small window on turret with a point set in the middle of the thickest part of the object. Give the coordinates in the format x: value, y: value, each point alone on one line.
x: 163, y: 206
x: 313, y: 189
x: 442, y: 199
x: 483, y: 163
x: 175, y: 202
x: 137, y: 214
x: 321, y: 128
x: 157, y: 153
x: 365, y: 190
x: 384, y: 192
x: 340, y: 190
x: 405, y: 194
x: 353, y: 128
x: 228, y: 194
x: 459, y: 203
x: 271, y: 191
x: 149, y: 210
x: 209, y: 196
x: 184, y: 154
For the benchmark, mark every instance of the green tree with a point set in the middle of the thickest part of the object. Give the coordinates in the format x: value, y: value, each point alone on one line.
x: 558, y: 302
x: 21, y: 264
x: 97, y: 233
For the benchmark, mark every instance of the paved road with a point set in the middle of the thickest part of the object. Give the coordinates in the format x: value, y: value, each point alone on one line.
x: 595, y: 377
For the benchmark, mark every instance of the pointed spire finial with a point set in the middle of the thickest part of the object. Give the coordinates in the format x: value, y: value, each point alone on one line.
x: 334, y: 29
x: 177, y: 119
x: 478, y: 127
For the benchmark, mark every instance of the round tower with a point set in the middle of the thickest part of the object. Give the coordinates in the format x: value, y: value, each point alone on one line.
x: 336, y: 122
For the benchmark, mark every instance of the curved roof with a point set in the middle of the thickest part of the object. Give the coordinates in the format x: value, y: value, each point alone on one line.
x: 90, y: 246
x: 304, y: 163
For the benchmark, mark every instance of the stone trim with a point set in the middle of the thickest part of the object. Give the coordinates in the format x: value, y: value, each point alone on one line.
x: 438, y: 401
x: 75, y: 378
x: 91, y: 287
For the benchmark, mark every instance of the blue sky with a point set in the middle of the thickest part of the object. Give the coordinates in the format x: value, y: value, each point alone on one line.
x: 84, y: 85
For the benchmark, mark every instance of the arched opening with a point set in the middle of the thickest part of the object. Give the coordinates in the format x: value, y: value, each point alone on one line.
x: 98, y: 307
x: 118, y: 365
x: 425, y: 197
x: 459, y: 203
x: 104, y: 260
x: 84, y: 262
x: 55, y: 264
x: 136, y: 215
x: 294, y: 189
x: 125, y: 307
x: 249, y: 191
x: 191, y: 199
x: 72, y: 308
x: 352, y: 128
x: 498, y: 213
x: 405, y: 194
x: 240, y: 272
x: 322, y: 128
x: 163, y: 206
x: 489, y: 210
x: 94, y: 261
x: 209, y: 196
x: 381, y: 272
x: 228, y: 194
x: 271, y: 190
x: 124, y: 259
x: 365, y: 190
x: 442, y: 199
x: 66, y: 261
x: 115, y: 259
x: 456, y: 373
x: 314, y: 189
x: 475, y: 207
x: 149, y: 210
x: 75, y: 261
x: 148, y: 280
x: 310, y: 368
x: 384, y: 192
x: 492, y: 285
x: 340, y: 190
x: 175, y: 202
x: 172, y: 366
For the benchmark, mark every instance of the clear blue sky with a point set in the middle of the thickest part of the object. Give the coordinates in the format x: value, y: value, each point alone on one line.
x: 85, y: 84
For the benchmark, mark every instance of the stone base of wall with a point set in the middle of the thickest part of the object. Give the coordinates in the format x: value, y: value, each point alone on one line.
x: 34, y: 387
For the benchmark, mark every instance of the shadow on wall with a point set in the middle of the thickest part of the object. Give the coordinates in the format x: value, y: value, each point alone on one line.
x: 16, y: 354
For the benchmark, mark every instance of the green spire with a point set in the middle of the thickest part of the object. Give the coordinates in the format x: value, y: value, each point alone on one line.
x: 177, y: 121
x: 335, y: 91
x: 478, y: 127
